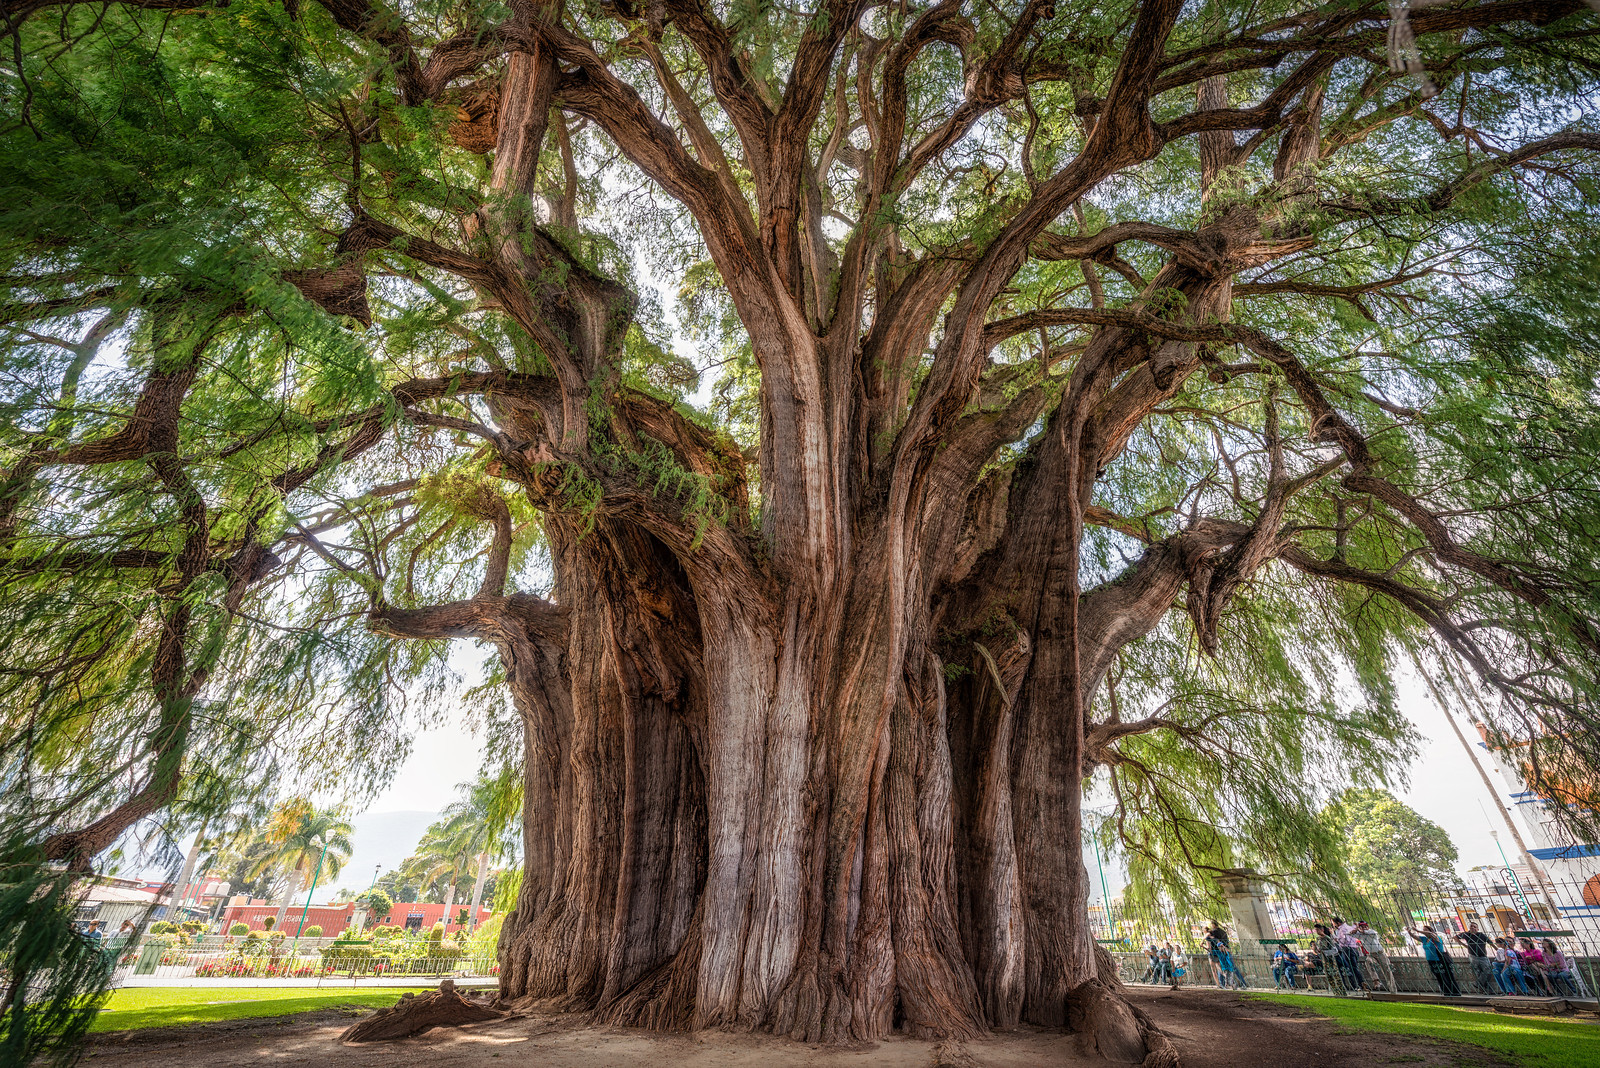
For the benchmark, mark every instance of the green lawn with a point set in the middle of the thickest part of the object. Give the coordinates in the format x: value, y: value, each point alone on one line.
x: 1537, y: 1041
x: 164, y: 1006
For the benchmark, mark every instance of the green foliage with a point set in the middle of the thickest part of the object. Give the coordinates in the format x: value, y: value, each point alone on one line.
x: 56, y: 979
x: 484, y: 941
x: 161, y: 927
x: 378, y: 902
x: 1389, y: 846
x: 312, y: 931
x: 307, y: 841
x: 506, y: 891
x: 239, y: 928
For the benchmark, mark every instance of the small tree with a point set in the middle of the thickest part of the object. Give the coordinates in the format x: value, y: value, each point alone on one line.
x: 376, y: 902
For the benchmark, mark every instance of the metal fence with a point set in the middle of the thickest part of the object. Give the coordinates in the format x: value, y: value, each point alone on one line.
x: 168, y: 957
x: 1565, y: 913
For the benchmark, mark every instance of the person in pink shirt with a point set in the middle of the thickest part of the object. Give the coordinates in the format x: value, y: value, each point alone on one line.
x: 1533, y: 965
x: 1558, y: 970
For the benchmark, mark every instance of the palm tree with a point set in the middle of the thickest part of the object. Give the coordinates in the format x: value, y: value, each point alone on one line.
x: 479, y: 826
x: 443, y: 857
x: 305, y: 840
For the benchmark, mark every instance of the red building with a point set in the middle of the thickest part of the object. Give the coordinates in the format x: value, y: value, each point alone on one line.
x: 335, y: 918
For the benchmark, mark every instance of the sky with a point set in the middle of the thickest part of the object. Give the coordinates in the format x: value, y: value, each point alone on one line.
x: 1443, y: 786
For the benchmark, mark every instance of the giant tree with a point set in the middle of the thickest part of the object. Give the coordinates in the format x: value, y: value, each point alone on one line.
x: 1109, y: 395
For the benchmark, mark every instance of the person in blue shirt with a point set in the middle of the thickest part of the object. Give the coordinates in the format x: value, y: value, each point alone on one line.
x: 1228, y: 972
x: 1438, y: 959
x: 1285, y: 967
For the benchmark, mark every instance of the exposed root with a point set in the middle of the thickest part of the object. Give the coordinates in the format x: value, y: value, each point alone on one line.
x: 413, y: 1014
x: 952, y: 1053
x: 1110, y: 1026
x: 1159, y: 1050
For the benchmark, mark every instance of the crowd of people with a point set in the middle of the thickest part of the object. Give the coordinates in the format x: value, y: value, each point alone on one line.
x: 1167, y: 964
x: 1351, y: 957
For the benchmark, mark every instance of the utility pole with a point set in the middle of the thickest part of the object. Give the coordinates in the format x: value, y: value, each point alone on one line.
x: 180, y: 890
x: 314, y: 877
x: 376, y: 868
x: 1500, y: 805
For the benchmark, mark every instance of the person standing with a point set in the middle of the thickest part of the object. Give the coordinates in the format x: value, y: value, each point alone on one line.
x: 1438, y: 958
x: 1328, y: 957
x: 1222, y: 958
x: 1477, y: 952
x: 1377, y: 958
x: 1180, y: 963
x: 1344, y: 938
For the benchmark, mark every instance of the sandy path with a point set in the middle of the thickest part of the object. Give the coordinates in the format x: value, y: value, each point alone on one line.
x: 1211, y: 1030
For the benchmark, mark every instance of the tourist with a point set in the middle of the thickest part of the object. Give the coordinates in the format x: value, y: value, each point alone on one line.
x: 1180, y: 963
x: 1222, y: 958
x: 1477, y: 952
x: 95, y: 934
x: 1149, y: 964
x: 1164, y: 964
x: 1558, y: 970
x: 1285, y: 967
x: 1533, y: 967
x: 1349, y: 950
x: 1508, y: 967
x: 1438, y: 958
x: 1328, y: 956
x: 1376, y: 957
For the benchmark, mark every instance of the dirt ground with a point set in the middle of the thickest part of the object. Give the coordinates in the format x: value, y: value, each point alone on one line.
x: 1211, y: 1030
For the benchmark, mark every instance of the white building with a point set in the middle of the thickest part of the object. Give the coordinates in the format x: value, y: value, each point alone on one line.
x: 1570, y: 868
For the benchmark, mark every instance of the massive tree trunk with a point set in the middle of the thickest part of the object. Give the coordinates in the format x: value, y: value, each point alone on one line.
x: 752, y: 817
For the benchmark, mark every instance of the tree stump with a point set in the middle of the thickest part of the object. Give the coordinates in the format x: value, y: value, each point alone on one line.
x: 413, y: 1014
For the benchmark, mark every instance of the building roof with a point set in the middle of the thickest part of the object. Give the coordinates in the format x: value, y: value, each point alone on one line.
x: 119, y: 894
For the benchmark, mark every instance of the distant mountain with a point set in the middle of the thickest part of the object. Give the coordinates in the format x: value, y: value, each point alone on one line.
x: 380, y: 838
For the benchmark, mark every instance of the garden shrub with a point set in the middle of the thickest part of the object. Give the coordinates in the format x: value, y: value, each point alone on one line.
x: 239, y: 928
x: 269, y: 922
x: 161, y: 927
x: 314, y: 931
